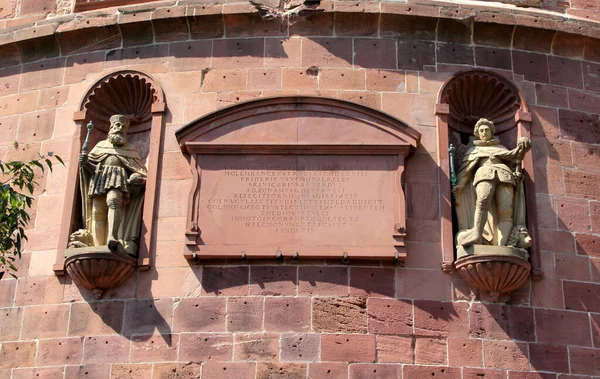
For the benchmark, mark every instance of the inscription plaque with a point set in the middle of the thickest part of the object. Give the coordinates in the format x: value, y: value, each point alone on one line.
x: 297, y: 203
x: 279, y: 178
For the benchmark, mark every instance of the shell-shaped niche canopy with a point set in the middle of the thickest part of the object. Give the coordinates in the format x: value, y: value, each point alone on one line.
x: 128, y: 93
x: 478, y: 94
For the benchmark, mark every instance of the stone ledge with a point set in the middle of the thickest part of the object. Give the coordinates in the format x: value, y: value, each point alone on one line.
x: 478, y: 11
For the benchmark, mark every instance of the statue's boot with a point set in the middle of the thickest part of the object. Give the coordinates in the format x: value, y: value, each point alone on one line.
x: 116, y: 247
x: 504, y: 229
x: 472, y: 236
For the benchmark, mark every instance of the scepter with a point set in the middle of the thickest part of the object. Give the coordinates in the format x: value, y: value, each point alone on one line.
x: 84, y: 148
x: 451, y: 151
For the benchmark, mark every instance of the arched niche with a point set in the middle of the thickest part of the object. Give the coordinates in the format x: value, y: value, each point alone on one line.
x: 463, y: 99
x: 140, y: 97
x: 309, y: 149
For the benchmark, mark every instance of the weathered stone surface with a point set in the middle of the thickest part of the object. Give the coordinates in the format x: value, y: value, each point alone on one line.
x: 339, y: 314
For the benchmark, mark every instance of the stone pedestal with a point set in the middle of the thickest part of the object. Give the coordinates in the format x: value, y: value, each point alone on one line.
x: 97, y: 269
x: 494, y: 269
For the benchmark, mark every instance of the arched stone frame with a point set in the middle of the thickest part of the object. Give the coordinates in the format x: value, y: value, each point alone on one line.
x: 139, y: 96
x: 312, y: 126
x: 462, y: 100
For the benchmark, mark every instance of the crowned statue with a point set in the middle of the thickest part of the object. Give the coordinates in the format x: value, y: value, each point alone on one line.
x: 489, y: 195
x: 112, y: 182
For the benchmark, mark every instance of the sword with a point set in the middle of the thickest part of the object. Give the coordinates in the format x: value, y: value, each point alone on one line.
x: 451, y: 150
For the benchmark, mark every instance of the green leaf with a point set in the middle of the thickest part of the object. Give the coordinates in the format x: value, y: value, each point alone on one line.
x: 38, y: 164
x: 49, y: 163
x: 59, y: 159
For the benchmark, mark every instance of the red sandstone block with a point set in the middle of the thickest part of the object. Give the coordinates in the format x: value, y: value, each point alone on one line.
x: 259, y: 79
x: 595, y: 215
x: 225, y: 99
x: 551, y: 358
x: 356, y: 24
x: 190, y: 56
x: 375, y: 53
x: 37, y: 373
x: 171, y: 29
x: 154, y: 348
x: 583, y: 101
x: 273, y: 280
x: 287, y: 314
x: 453, y: 31
x: 568, y: 266
x: 584, y: 361
x: 300, y: 347
x: 10, y: 323
x: 106, y: 349
x: 327, y: 52
x: 131, y: 371
x: 423, y: 200
x: 300, y: 78
x: 477, y: 373
x: 413, y: 55
x: 144, y: 316
x: 431, y: 351
x: 46, y: 321
x: 532, y: 66
x: 328, y: 370
x: 595, y: 321
x: 562, y: 327
x: 204, y: 314
x: 493, y: 57
x: 533, y: 39
x: 465, y: 352
x: 551, y: 96
x: 431, y: 371
x: 207, y: 25
x: 237, y: 25
x: 434, y: 318
x: 205, y: 347
x: 339, y: 315
x: 395, y: 349
x: 244, y: 314
x: 283, y: 52
x: 557, y: 241
x: 549, y: 179
x: 176, y: 370
x: 505, y: 355
x: 60, y: 351
x: 423, y: 284
x: 389, y: 316
x: 370, y: 99
x: 238, y: 53
x: 18, y: 354
x: 228, y: 370
x: 591, y: 79
x: 375, y: 371
x: 592, y: 49
x: 371, y: 282
x: 545, y: 122
x: 579, y: 183
x: 224, y: 80
x: 587, y: 244
x: 582, y: 296
x: 87, y: 371
x: 385, y: 80
x: 455, y: 54
x: 324, y: 281
x: 408, y: 27
x: 342, y: 79
x: 529, y: 375
x: 502, y: 322
x: 288, y: 370
x: 256, y: 347
x: 228, y: 281
x: 347, y: 348
x: 17, y: 104
x: 565, y: 72
x: 44, y: 74
x: 579, y: 126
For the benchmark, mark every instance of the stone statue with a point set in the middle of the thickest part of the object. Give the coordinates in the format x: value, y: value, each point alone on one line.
x: 489, y: 195
x: 112, y: 181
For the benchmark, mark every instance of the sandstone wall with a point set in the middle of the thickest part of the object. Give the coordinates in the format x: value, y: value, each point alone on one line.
x: 311, y: 318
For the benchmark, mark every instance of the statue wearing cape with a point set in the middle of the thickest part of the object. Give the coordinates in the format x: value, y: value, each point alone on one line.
x: 94, y: 184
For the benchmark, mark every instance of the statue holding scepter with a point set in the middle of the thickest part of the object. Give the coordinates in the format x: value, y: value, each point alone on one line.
x: 112, y: 180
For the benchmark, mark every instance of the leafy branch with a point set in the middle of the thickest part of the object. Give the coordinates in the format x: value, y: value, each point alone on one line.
x: 17, y: 184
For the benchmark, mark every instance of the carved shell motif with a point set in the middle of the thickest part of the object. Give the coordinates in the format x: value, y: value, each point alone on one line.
x: 474, y: 95
x: 129, y: 94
